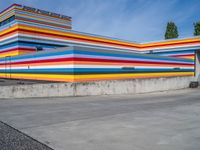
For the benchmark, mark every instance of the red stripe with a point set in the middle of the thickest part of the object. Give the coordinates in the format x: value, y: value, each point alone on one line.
x: 19, y: 48
x: 16, y: 30
x: 183, y: 55
x: 125, y: 61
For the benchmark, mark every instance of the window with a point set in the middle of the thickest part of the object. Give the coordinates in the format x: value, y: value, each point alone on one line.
x: 10, y: 19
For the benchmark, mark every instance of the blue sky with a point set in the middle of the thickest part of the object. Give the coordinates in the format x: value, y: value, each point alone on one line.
x: 134, y: 20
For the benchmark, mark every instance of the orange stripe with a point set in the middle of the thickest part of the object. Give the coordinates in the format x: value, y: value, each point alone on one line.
x: 123, y: 78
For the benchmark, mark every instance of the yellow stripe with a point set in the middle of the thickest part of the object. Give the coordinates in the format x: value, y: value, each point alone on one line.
x: 8, y: 30
x: 50, y: 77
x: 14, y: 53
x: 186, y: 57
x: 105, y: 75
x: 171, y: 42
x: 145, y: 75
x: 39, y: 75
x: 76, y: 78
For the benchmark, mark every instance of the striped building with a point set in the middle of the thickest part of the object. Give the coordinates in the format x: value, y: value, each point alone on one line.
x: 40, y: 45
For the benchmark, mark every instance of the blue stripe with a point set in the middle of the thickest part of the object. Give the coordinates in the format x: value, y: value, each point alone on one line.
x: 28, y: 44
x: 145, y: 57
x: 177, y: 52
x: 38, y: 55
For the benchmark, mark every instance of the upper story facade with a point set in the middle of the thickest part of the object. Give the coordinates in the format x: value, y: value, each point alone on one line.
x: 26, y: 29
x: 36, y: 17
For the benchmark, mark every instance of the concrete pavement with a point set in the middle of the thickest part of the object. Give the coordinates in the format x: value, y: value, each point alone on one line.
x: 153, y: 121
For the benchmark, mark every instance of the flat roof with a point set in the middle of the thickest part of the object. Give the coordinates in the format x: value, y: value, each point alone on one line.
x: 36, y: 10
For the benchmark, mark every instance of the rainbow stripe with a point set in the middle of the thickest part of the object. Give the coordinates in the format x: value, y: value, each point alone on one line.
x: 72, y: 56
x: 77, y: 64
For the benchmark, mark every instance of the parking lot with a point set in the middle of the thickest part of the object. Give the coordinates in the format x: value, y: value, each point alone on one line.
x: 153, y: 121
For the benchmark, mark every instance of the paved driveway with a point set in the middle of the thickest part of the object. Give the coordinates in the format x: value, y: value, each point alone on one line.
x: 156, y: 121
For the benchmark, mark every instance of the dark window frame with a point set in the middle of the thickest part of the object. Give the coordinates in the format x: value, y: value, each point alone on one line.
x: 8, y: 20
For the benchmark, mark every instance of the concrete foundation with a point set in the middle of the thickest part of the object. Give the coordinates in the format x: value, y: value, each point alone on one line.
x: 197, y: 66
x: 95, y: 88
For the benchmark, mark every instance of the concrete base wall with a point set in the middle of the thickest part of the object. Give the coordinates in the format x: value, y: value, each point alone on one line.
x: 95, y: 88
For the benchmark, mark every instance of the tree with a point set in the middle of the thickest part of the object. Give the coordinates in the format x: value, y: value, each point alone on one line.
x: 171, y: 31
x: 196, y: 28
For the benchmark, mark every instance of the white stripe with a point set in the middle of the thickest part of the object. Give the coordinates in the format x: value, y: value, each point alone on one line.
x: 91, y: 66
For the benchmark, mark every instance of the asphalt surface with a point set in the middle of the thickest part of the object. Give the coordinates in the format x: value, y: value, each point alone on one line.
x: 153, y: 121
x: 6, y: 82
x: 12, y: 139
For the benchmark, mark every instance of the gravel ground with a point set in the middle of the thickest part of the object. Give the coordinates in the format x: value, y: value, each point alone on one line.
x: 12, y: 139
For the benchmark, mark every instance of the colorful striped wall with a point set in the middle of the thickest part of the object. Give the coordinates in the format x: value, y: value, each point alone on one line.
x: 73, y: 56
x: 93, y: 64
x: 11, y: 40
x: 39, y: 66
x: 78, y: 64
x: 30, y: 37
